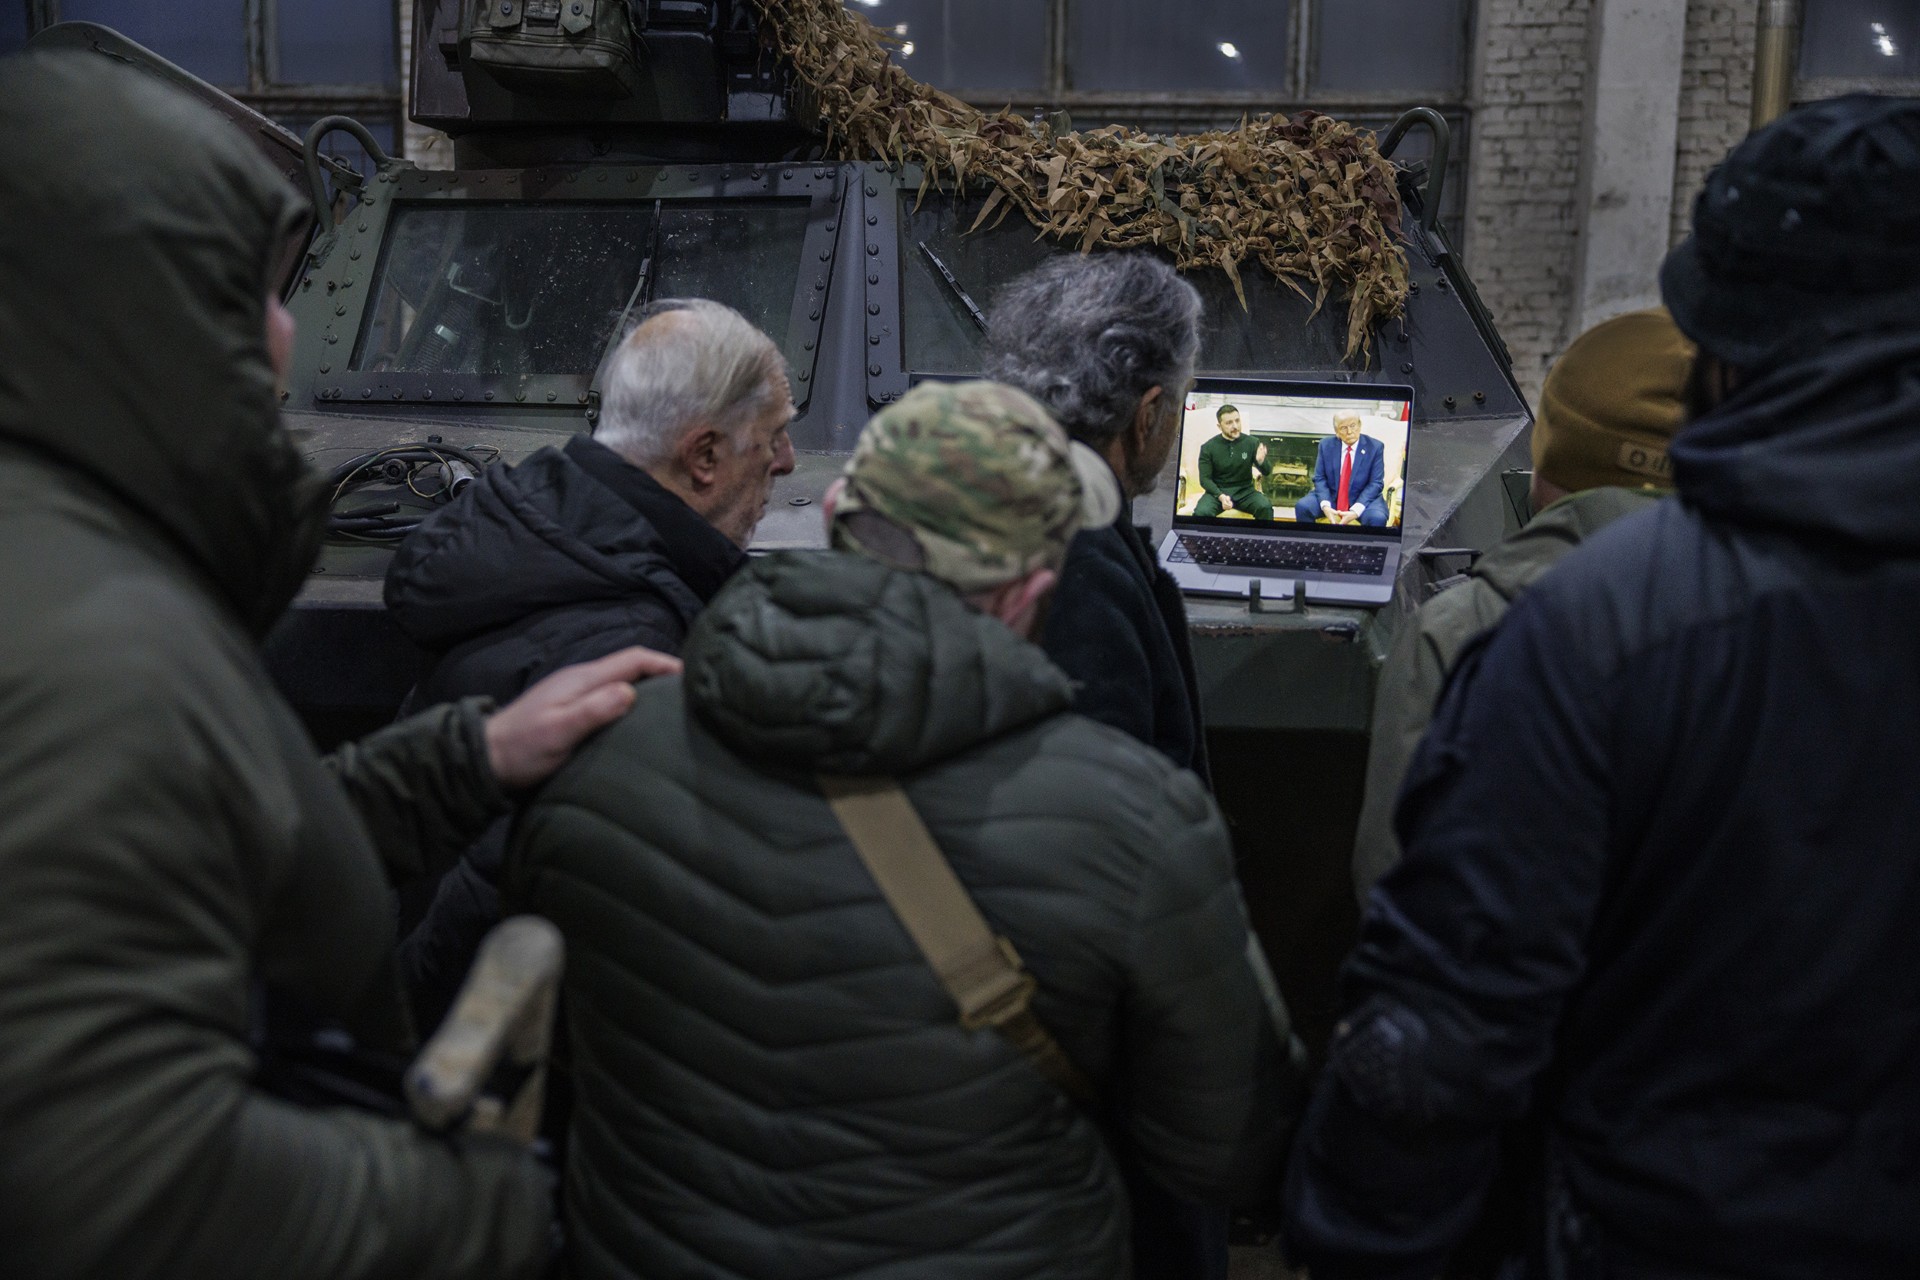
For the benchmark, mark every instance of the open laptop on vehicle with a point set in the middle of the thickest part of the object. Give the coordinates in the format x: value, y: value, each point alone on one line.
x: 1284, y: 482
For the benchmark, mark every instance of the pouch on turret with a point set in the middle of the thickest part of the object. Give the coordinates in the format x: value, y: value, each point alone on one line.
x: 565, y: 48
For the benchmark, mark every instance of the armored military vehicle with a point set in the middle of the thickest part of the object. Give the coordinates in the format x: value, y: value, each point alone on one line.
x: 454, y: 319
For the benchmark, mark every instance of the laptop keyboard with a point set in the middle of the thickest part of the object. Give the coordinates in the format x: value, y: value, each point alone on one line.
x: 1299, y: 555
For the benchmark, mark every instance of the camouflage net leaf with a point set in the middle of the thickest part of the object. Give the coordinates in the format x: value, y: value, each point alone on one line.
x: 1309, y: 198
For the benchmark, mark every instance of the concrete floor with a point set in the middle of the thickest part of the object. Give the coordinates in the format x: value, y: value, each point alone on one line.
x: 1259, y: 1264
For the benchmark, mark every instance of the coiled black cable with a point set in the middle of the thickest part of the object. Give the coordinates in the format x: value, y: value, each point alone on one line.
x: 400, y: 465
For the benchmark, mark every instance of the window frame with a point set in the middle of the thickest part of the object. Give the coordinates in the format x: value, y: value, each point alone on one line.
x: 266, y: 93
x: 1814, y: 88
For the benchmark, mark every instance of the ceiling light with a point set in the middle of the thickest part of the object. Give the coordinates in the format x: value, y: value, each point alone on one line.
x: 906, y: 50
x: 1882, y: 40
x: 900, y: 30
x: 871, y: 4
x: 1227, y: 49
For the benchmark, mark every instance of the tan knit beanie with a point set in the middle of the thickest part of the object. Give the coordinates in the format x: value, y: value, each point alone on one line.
x: 1612, y: 403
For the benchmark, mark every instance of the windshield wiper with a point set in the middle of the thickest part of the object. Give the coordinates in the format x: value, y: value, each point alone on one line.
x: 953, y: 283
x: 637, y: 300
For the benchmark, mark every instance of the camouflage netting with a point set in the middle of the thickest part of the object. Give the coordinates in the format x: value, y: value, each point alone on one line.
x: 1308, y: 198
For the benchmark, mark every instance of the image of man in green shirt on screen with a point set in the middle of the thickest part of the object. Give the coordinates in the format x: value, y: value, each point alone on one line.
x: 1227, y: 464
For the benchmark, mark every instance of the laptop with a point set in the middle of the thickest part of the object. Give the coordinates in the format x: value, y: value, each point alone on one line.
x: 1258, y: 494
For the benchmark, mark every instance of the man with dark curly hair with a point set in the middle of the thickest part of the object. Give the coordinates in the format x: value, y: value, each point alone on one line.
x: 1108, y: 344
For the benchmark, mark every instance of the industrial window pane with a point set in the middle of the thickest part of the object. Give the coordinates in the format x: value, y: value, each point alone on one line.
x: 1389, y: 46
x: 1156, y: 47
x: 1852, y: 39
x: 13, y: 25
x: 207, y: 37
x: 966, y: 44
x: 337, y: 42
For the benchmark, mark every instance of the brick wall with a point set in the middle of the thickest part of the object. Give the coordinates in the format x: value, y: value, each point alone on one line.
x: 1524, y: 172
x: 1529, y: 97
x: 1716, y: 95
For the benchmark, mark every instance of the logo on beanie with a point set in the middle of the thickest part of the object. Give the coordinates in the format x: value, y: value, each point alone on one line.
x: 1643, y: 460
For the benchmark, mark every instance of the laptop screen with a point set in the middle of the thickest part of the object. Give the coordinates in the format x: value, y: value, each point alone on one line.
x: 1308, y: 457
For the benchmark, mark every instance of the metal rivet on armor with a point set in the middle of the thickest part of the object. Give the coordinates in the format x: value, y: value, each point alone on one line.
x: 1413, y: 286
x: 576, y: 8
x: 832, y: 227
x: 873, y: 308
x: 806, y: 375
x: 489, y: 395
x: 340, y: 310
x: 873, y: 278
x: 601, y: 178
x: 873, y: 250
x: 366, y: 393
x: 786, y: 173
x: 552, y: 396
x: 326, y: 368
x: 826, y: 255
x: 814, y: 314
x: 483, y: 179
x: 873, y: 191
x: 363, y: 226
x: 633, y: 177
x: 1448, y: 402
x: 873, y: 219
x: 874, y: 370
x: 799, y: 502
x: 354, y: 254
x: 819, y: 284
x: 573, y: 177
x: 1406, y: 366
x: 1479, y: 397
x: 873, y: 339
x: 427, y: 394
x: 807, y: 345
x: 582, y: 397
x: 283, y: 397
x: 458, y: 394
x: 398, y: 394
x: 506, y: 6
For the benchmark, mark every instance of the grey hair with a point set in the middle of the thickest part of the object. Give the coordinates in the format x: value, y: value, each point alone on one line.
x: 1088, y: 336
x: 714, y: 369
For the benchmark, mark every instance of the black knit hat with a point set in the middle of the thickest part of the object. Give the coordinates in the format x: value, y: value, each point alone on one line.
x: 1808, y: 230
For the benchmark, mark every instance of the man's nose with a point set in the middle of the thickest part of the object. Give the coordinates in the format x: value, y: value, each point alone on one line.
x: 783, y: 459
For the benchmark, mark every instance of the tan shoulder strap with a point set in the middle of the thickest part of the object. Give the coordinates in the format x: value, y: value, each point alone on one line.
x: 979, y: 969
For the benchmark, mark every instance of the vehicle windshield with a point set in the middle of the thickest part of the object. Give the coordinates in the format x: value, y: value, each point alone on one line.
x: 533, y: 289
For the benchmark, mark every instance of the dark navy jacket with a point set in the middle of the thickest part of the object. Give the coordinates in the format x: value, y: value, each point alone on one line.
x: 1117, y: 625
x: 1662, y: 888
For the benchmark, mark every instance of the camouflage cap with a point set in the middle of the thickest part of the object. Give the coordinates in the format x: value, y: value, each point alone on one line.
x: 977, y: 485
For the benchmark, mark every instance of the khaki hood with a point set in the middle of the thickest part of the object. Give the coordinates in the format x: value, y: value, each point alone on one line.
x: 140, y: 234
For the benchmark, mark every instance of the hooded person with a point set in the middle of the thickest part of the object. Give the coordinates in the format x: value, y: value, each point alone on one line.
x: 1653, y: 936
x: 174, y: 856
x: 1607, y: 414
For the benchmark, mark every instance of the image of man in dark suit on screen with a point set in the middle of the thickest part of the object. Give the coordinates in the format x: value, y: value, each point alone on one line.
x: 1349, y: 475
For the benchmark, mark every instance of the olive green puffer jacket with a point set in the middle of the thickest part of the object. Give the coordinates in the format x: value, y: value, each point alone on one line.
x: 169, y: 840
x: 770, y: 1082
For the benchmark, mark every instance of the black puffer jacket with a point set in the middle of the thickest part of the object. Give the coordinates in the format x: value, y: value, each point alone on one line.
x: 567, y: 557
x: 1661, y: 883
x: 770, y: 1081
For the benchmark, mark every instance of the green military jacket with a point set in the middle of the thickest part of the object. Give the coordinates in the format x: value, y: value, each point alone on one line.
x: 1431, y: 645
x: 169, y: 839
x: 1227, y: 466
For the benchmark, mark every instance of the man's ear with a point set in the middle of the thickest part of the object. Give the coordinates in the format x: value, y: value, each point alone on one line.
x: 1143, y: 416
x: 699, y: 455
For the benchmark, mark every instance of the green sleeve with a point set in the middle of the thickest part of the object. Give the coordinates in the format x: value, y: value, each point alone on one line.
x: 1411, y: 682
x: 1208, y: 452
x: 141, y: 889
x: 423, y: 786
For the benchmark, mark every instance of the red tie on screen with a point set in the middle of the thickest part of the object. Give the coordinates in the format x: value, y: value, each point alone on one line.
x: 1346, y: 473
